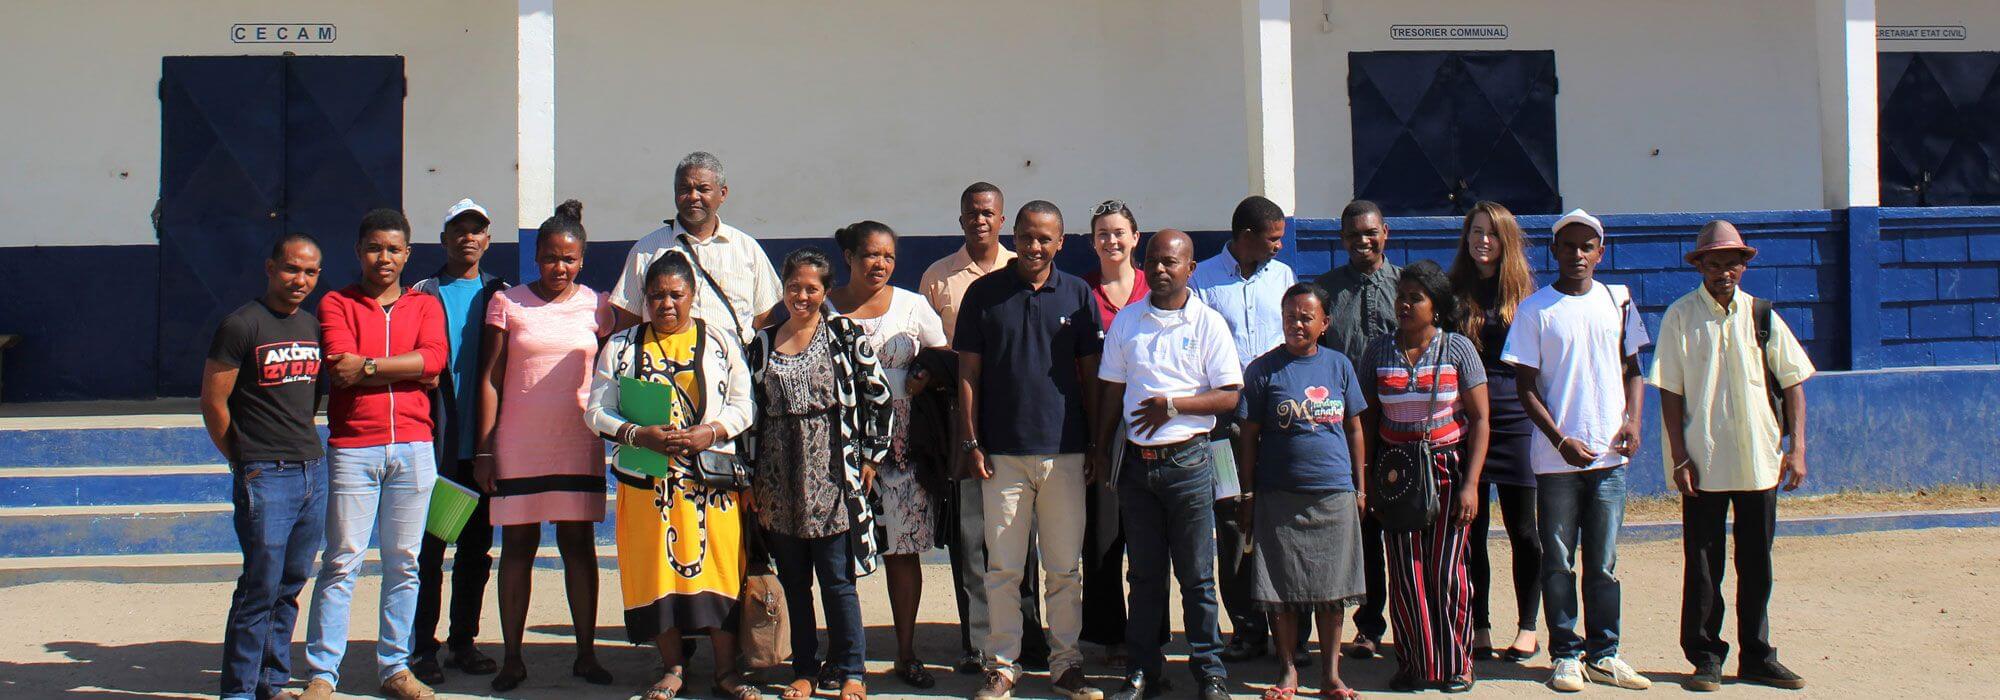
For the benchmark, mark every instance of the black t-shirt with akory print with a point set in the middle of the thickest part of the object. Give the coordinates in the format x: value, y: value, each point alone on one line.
x: 278, y: 361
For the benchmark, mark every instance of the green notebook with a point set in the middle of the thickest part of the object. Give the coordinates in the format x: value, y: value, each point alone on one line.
x: 451, y: 509
x: 645, y: 403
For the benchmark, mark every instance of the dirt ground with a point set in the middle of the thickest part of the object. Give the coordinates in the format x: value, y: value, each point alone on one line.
x: 1898, y: 614
x: 1668, y: 508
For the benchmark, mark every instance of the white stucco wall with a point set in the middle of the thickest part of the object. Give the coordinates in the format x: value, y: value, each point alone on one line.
x: 82, y: 113
x: 827, y: 113
x: 1725, y: 89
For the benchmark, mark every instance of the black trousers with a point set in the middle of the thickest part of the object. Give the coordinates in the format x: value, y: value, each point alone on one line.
x: 1703, y: 518
x: 1103, y: 571
x: 1517, y: 513
x: 471, y: 566
x: 1368, y: 617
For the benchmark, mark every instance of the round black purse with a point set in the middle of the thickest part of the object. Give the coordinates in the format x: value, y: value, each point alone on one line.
x: 1402, y: 485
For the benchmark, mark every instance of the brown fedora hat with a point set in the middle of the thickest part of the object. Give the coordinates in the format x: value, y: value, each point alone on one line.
x: 1719, y: 235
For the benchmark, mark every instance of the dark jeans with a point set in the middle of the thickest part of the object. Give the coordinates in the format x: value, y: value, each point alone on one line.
x: 1167, y: 507
x: 280, y: 523
x: 798, y: 560
x: 1517, y: 512
x: 1368, y: 617
x: 1579, y: 516
x: 471, y: 566
x: 1702, y: 520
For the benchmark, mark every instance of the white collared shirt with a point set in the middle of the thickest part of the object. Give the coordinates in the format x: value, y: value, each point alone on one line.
x: 732, y: 257
x: 1174, y: 354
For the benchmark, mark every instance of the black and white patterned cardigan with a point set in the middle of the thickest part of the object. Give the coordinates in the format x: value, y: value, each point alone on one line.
x: 866, y: 421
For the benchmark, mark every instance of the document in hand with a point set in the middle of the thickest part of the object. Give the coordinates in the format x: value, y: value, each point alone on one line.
x: 451, y: 508
x: 645, y: 403
x: 1225, y: 470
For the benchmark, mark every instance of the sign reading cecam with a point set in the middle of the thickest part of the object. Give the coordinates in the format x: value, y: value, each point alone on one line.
x: 291, y: 33
x: 1423, y: 32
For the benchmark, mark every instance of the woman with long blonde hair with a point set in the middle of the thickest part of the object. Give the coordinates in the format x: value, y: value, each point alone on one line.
x: 1490, y: 277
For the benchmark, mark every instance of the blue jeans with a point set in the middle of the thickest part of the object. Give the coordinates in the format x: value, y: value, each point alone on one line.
x: 1581, y: 511
x: 798, y: 559
x: 280, y: 518
x: 1167, y: 505
x: 392, y: 483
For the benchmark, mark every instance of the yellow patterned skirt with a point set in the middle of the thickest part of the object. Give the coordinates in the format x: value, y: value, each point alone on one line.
x: 680, y: 556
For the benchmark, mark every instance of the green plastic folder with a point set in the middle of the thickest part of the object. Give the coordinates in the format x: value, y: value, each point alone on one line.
x: 451, y: 508
x: 645, y: 403
x: 1225, y: 470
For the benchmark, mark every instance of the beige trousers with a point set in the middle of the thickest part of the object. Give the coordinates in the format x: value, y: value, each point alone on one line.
x: 1040, y: 495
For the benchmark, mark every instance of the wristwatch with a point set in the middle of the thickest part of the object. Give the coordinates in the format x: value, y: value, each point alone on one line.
x: 368, y: 367
x: 1171, y: 411
x: 968, y: 446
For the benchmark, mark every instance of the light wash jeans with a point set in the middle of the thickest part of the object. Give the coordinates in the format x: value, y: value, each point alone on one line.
x: 392, y: 482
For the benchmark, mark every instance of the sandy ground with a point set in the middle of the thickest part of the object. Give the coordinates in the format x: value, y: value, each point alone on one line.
x: 1900, y: 614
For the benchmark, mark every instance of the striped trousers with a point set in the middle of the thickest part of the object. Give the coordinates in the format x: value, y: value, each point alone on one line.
x: 1430, y: 595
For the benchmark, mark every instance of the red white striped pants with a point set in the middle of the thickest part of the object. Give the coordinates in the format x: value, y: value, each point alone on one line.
x: 1430, y: 595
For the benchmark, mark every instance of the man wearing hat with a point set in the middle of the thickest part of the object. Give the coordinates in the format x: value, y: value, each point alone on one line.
x: 1722, y: 357
x: 463, y: 289
x: 1575, y: 349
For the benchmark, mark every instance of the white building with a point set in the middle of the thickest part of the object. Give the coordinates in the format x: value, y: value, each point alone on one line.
x: 825, y: 113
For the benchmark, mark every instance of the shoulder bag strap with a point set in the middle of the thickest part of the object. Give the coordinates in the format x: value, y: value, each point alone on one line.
x: 695, y: 258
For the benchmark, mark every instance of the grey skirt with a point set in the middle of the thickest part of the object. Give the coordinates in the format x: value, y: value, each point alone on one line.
x: 1308, y: 551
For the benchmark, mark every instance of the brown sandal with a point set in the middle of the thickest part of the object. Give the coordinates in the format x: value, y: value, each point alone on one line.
x: 732, y: 686
x: 853, y: 689
x: 799, y: 689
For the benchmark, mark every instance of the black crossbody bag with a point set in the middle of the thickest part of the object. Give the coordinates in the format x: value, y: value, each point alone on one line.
x: 716, y: 470
x: 1402, y: 486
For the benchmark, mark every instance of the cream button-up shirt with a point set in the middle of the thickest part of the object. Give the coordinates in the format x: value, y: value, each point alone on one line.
x: 1708, y: 355
x: 944, y: 283
x: 735, y: 261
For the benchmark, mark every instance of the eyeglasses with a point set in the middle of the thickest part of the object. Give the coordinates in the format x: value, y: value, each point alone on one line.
x: 1110, y: 206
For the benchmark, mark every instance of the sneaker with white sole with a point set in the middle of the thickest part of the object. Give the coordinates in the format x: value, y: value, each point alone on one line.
x: 1567, y: 676
x: 1612, y: 670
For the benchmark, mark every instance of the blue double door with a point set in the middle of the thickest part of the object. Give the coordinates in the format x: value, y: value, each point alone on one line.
x: 253, y: 147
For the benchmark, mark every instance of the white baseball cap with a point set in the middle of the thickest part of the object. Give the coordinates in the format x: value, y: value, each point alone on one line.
x: 463, y: 206
x: 1575, y: 216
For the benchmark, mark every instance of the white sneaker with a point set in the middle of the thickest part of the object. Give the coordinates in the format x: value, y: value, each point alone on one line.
x: 1568, y: 676
x: 1612, y: 670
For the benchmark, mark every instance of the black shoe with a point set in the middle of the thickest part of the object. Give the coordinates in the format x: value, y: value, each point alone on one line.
x: 1406, y: 684
x: 426, y: 669
x: 1139, y: 686
x: 1038, y: 662
x: 1363, y: 647
x: 970, y: 664
x: 1214, y: 688
x: 1244, y: 648
x: 467, y: 658
x: 1458, y: 684
x: 830, y: 678
x: 1518, y: 656
x: 1707, y: 677
x: 1770, y: 673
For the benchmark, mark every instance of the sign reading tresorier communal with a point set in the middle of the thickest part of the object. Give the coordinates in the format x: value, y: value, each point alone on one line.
x: 283, y: 33
x: 1423, y: 32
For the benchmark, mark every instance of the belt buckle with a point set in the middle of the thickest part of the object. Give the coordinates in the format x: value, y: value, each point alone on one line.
x: 1152, y: 454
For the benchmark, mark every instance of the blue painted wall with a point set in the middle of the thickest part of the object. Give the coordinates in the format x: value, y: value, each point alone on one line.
x: 1940, y: 286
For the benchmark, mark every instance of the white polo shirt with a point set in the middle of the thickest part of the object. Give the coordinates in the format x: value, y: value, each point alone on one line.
x: 1173, y: 354
x: 732, y: 257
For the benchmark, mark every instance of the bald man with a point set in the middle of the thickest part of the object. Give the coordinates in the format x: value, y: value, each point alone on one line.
x: 1169, y: 368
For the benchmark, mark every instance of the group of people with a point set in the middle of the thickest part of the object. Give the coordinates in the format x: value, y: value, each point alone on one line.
x: 1286, y: 450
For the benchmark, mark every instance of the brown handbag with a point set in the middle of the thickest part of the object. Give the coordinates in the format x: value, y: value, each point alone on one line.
x: 763, y: 635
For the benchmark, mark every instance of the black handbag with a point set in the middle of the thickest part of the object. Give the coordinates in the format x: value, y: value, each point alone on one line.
x: 1402, y: 486
x: 716, y: 470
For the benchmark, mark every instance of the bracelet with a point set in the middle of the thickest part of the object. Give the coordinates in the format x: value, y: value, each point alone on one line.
x: 625, y: 432
x: 1685, y: 464
x: 482, y: 454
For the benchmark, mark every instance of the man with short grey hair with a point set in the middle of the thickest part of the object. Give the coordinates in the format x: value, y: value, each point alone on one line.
x: 735, y: 283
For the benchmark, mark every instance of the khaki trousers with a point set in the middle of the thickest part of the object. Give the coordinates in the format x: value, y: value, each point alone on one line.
x: 1042, y: 496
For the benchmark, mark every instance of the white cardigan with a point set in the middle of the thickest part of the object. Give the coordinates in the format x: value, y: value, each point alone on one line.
x: 727, y: 402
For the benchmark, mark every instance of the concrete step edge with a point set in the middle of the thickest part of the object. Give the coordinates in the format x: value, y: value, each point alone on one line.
x: 104, y: 471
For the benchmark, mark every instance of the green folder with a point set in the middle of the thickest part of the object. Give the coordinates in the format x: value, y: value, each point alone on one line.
x: 645, y: 403
x: 451, y: 508
x: 1224, y: 456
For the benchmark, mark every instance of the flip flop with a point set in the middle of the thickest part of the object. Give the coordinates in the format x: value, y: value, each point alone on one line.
x: 1277, y: 693
x: 799, y: 689
x: 853, y: 689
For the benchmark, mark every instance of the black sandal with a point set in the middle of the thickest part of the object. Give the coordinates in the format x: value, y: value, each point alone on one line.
x: 595, y: 674
x: 830, y: 678
x: 915, y: 674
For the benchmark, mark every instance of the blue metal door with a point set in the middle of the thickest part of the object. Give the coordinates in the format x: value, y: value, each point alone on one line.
x: 253, y: 147
x: 1437, y: 131
x: 1940, y: 128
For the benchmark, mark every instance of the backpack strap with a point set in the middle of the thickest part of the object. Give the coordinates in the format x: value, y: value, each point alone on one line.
x: 1762, y: 314
x: 1624, y: 319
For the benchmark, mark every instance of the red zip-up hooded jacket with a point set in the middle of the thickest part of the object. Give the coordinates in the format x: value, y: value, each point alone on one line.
x: 368, y: 416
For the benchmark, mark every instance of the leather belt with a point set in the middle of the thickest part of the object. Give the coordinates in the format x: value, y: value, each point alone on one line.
x: 1157, y: 453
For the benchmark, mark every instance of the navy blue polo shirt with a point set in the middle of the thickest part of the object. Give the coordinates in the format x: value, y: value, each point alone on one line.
x: 1029, y: 342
